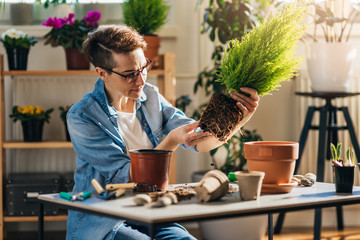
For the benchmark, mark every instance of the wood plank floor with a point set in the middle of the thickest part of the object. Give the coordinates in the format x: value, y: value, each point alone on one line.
x: 349, y: 233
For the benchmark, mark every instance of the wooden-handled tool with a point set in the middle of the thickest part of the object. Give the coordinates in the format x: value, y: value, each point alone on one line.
x: 121, y: 185
x: 99, y: 189
x: 140, y: 187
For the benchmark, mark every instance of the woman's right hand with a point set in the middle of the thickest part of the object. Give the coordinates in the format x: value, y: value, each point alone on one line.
x: 184, y: 135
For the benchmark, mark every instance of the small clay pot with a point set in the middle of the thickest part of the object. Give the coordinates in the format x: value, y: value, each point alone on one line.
x: 275, y: 158
x: 150, y: 166
x: 249, y: 184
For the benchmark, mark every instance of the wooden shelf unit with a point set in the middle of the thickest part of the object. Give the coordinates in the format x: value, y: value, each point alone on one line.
x: 165, y: 74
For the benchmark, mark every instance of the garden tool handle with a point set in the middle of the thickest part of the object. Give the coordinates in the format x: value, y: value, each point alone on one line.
x: 99, y: 189
x: 120, y: 185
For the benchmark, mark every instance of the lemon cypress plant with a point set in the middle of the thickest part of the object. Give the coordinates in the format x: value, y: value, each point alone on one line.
x: 261, y: 60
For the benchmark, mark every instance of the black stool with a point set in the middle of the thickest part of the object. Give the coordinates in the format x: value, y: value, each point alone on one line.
x: 328, y: 128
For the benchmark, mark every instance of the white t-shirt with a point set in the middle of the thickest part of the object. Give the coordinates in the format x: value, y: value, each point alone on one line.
x: 132, y: 132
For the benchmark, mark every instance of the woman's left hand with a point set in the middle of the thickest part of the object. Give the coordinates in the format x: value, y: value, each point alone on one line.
x: 247, y: 104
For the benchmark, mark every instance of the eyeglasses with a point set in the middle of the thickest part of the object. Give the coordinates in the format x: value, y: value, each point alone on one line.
x: 132, y: 77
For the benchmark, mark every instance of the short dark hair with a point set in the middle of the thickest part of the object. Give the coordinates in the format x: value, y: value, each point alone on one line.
x: 101, y: 43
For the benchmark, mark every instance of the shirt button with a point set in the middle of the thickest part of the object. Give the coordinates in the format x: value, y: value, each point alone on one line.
x: 145, y: 124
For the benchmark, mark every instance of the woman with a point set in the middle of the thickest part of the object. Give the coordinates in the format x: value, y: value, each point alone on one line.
x: 124, y: 112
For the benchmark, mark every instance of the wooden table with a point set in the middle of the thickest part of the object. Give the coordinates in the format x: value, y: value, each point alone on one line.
x: 318, y: 196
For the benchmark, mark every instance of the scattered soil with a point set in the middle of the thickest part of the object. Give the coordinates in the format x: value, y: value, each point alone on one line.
x: 185, y: 192
x: 221, y: 116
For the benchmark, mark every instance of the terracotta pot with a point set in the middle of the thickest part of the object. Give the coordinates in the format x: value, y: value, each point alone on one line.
x: 150, y: 166
x: 152, y: 50
x: 75, y: 59
x: 275, y: 158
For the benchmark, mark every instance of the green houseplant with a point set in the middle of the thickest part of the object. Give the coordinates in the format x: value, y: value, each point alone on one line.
x: 70, y: 33
x: 17, y: 44
x: 223, y: 21
x: 147, y: 17
x: 63, y: 112
x: 32, y: 120
x: 48, y: 3
x: 343, y: 170
x: 261, y: 60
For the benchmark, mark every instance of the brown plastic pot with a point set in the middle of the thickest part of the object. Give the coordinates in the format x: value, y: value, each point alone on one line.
x: 150, y: 166
x: 152, y: 50
x: 275, y: 158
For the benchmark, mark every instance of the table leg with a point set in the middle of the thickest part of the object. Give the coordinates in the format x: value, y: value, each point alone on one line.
x: 41, y: 222
x: 152, y: 232
x: 317, y: 224
x: 270, y: 226
x: 340, y: 219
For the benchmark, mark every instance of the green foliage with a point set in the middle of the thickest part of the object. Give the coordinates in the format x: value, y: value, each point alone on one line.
x: 48, y: 3
x: 146, y: 16
x: 265, y: 57
x: 28, y: 113
x: 336, y: 155
x: 225, y: 20
x: 63, y: 112
x: 235, y: 160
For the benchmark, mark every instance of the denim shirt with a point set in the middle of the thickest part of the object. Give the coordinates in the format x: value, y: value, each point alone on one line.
x: 101, y: 152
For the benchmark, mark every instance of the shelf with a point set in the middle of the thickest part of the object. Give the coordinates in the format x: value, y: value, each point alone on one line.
x: 66, y: 73
x: 57, y: 218
x: 165, y: 74
x: 39, y: 145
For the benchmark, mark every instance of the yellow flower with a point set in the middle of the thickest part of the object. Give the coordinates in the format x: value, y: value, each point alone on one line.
x: 38, y: 110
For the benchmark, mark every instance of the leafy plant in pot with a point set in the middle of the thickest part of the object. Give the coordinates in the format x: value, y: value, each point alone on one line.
x: 147, y: 17
x: 17, y: 45
x: 70, y: 33
x: 330, y: 56
x: 343, y: 169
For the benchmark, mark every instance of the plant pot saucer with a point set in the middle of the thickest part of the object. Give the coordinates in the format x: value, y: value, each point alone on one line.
x: 278, y: 188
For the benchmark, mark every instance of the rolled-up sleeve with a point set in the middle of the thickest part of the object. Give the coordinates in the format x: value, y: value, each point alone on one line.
x: 94, y: 147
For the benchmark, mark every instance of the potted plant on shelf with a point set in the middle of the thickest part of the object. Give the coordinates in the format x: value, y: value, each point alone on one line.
x: 63, y: 112
x: 343, y: 169
x: 59, y: 8
x: 147, y: 17
x: 70, y: 33
x: 32, y: 120
x: 21, y: 13
x: 330, y: 56
x: 17, y: 45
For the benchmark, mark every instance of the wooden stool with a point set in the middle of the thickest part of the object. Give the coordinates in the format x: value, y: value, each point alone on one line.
x: 328, y: 133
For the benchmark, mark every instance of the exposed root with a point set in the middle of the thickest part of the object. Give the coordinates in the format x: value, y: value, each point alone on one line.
x: 221, y: 117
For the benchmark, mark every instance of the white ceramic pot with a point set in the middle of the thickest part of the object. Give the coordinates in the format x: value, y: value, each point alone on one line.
x: 330, y: 66
x: 21, y: 14
x: 247, y: 228
x: 61, y: 10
